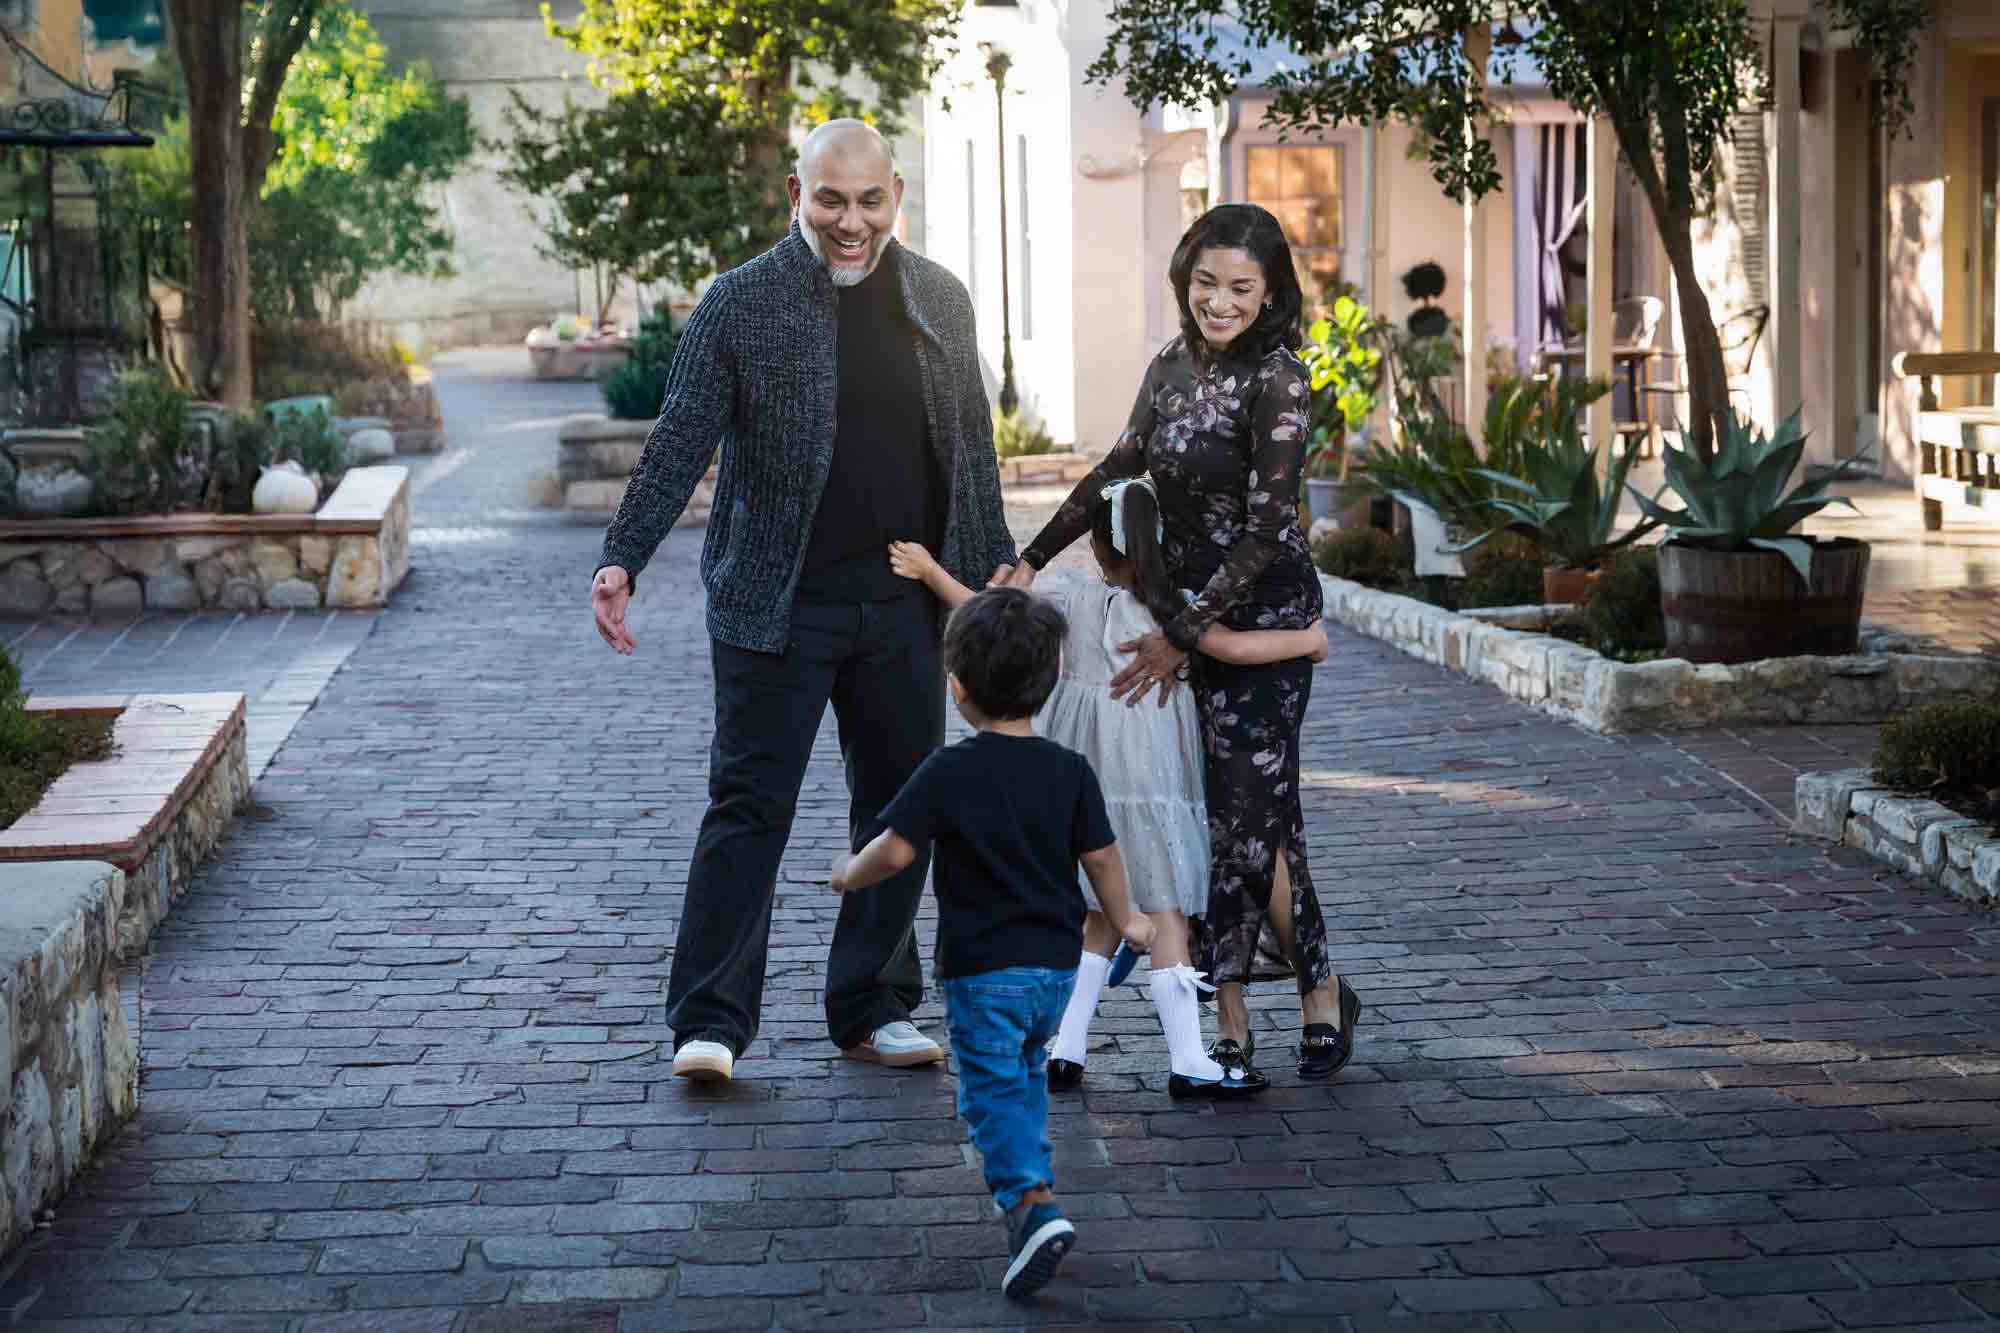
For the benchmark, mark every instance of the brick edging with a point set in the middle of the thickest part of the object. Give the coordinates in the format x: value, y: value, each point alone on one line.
x: 1917, y: 836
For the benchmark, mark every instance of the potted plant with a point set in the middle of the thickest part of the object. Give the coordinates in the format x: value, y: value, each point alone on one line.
x: 1736, y: 584
x: 1554, y: 496
x: 1344, y: 361
x: 1425, y: 284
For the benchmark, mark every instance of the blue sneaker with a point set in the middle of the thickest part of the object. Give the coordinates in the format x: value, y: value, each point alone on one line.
x: 1038, y: 1237
x: 1122, y: 964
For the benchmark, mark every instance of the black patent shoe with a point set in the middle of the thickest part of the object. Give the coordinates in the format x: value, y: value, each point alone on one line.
x: 1064, y: 1075
x: 1231, y: 1054
x: 1324, y: 1051
x: 1236, y: 1081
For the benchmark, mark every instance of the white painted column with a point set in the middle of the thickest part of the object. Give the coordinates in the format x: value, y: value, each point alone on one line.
x: 1603, y: 157
x: 1784, y: 247
x: 1478, y: 46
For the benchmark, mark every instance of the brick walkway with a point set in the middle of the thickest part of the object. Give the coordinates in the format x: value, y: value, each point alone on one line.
x: 1635, y: 1057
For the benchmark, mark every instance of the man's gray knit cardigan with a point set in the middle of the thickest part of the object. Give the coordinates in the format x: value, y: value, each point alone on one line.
x: 755, y: 372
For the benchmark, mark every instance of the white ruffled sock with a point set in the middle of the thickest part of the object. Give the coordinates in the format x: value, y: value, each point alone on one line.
x: 1180, y: 1017
x: 1073, y: 1038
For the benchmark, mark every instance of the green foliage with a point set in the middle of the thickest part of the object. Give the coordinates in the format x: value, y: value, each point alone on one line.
x: 300, y: 358
x: 141, y: 452
x: 1557, y: 498
x: 35, y: 749
x: 635, y: 390
x: 241, y: 452
x: 1433, y: 460
x: 1506, y: 571
x: 1953, y: 746
x: 20, y: 734
x: 681, y: 172
x: 1368, y: 556
x: 351, y: 191
x: 1018, y: 435
x: 310, y: 440
x: 1623, y: 610
x: 1343, y: 356
x: 1737, y: 500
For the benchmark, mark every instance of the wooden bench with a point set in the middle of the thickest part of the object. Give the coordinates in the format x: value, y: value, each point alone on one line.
x: 1958, y: 448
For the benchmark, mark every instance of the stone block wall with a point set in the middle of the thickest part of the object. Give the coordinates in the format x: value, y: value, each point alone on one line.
x: 1917, y: 836
x: 68, y: 1061
x: 352, y: 553
x: 595, y: 457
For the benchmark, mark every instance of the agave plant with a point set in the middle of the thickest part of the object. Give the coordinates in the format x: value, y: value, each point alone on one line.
x: 1737, y: 500
x: 1556, y: 497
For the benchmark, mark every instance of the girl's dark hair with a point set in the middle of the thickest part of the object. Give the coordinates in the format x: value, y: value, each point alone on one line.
x: 1005, y: 647
x: 1251, y: 229
x: 1150, y: 584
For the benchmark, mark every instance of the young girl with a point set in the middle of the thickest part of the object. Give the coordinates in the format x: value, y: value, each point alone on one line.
x: 1149, y: 761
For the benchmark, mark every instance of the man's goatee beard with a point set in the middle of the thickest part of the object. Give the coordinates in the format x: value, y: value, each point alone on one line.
x: 842, y: 277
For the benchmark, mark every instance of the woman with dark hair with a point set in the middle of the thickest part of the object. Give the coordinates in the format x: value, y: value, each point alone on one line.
x: 1220, y: 427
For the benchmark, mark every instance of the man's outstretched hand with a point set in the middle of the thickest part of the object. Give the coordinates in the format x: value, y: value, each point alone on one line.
x: 610, y: 595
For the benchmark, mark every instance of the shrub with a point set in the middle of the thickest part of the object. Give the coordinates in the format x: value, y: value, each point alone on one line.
x: 142, y: 452
x: 35, y: 749
x: 297, y: 358
x: 1504, y: 571
x: 1953, y: 746
x: 634, y: 391
x: 1018, y: 435
x: 20, y: 730
x: 1623, y: 608
x: 309, y: 439
x: 1368, y: 556
x: 242, y: 450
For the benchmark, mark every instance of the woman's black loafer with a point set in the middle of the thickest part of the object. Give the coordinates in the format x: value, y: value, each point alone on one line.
x: 1064, y: 1075
x: 1232, y: 1054
x: 1325, y: 1051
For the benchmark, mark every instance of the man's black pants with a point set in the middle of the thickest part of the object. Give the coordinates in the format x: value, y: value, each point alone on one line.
x: 880, y: 666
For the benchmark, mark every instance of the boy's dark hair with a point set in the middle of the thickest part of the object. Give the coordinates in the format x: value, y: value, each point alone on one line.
x: 1005, y: 647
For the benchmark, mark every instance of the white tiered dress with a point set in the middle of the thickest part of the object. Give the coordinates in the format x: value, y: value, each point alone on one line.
x: 1148, y: 758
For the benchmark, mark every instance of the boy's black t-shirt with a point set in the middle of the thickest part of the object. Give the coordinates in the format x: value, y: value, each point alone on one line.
x: 1007, y: 817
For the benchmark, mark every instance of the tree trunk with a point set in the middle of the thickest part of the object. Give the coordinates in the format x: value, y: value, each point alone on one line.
x: 208, y: 38
x: 1709, y: 416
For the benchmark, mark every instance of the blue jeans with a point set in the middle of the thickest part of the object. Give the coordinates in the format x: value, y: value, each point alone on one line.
x: 999, y: 1024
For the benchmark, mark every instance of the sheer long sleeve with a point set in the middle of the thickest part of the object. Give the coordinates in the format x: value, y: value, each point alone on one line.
x: 1278, y: 427
x: 1126, y: 459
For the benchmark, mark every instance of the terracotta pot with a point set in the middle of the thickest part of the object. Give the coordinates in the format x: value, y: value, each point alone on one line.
x: 1743, y: 606
x: 1563, y: 586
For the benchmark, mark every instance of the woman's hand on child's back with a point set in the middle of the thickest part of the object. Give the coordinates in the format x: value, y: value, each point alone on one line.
x: 911, y: 561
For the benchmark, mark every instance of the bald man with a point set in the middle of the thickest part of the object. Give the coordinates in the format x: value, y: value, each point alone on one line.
x: 838, y: 373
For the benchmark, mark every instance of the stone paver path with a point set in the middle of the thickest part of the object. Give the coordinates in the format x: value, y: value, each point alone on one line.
x: 1635, y: 1058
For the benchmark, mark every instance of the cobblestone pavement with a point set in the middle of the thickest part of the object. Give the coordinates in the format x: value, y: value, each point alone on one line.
x: 1634, y: 1056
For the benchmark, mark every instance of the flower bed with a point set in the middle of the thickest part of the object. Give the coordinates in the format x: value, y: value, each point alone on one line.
x: 1505, y: 646
x: 85, y: 878
x: 352, y: 552
x: 1920, y: 837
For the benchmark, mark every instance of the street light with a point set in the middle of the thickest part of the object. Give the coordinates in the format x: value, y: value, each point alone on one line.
x: 998, y: 62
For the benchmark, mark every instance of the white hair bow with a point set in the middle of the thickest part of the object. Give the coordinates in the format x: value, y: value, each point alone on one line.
x: 1115, y: 493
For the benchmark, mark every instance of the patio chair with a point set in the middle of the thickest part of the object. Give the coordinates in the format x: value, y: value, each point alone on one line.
x: 1739, y: 334
x: 1635, y: 322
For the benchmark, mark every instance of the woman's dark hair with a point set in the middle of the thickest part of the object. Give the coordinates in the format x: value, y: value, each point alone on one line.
x: 1005, y: 647
x: 1150, y: 584
x: 1251, y: 229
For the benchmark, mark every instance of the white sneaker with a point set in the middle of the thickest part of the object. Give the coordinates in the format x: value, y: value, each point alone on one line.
x: 704, y: 1062
x: 898, y: 1045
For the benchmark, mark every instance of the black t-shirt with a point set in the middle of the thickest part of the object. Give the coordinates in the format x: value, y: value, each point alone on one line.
x: 885, y: 484
x: 1008, y: 817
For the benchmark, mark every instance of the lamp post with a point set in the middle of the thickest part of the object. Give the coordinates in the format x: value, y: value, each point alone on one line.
x: 998, y: 62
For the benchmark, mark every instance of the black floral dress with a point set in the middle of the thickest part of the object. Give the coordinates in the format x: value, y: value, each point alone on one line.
x: 1224, y: 443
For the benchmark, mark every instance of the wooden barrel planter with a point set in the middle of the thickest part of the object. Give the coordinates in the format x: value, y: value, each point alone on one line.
x: 1742, y: 606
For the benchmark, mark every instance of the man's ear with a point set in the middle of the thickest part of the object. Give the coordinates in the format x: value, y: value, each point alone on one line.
x: 898, y: 189
x: 796, y: 190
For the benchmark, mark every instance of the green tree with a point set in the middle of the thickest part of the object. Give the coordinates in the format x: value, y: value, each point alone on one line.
x: 1668, y: 74
x: 682, y: 171
x: 357, y: 149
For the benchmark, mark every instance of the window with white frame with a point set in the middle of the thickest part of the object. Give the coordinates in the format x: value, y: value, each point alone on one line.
x: 1301, y: 185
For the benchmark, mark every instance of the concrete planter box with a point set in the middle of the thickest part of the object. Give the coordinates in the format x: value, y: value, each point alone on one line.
x: 1056, y: 469
x: 353, y: 552
x: 85, y: 878
x: 595, y: 457
x: 1503, y: 646
x: 1919, y: 837
x: 578, y: 359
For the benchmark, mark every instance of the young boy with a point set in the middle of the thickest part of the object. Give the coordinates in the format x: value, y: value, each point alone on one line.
x: 1010, y: 815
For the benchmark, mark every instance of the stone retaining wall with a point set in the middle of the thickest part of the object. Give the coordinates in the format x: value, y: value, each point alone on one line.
x: 595, y: 457
x: 352, y: 552
x: 1583, y: 686
x: 69, y: 1066
x: 1917, y: 836
x: 85, y: 878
